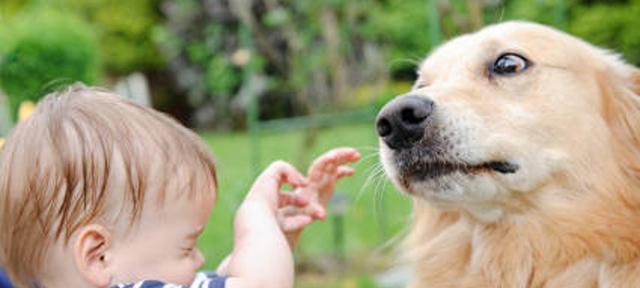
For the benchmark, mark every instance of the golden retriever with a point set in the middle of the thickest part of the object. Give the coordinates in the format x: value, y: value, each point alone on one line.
x: 520, y: 146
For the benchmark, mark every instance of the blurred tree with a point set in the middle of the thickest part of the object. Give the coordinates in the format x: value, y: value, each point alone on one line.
x: 611, y: 24
x: 305, y: 56
x: 402, y: 28
x: 9, y: 7
x: 125, y: 30
x: 615, y: 27
x: 309, y: 55
x: 197, y: 38
x: 541, y: 11
x: 44, y: 50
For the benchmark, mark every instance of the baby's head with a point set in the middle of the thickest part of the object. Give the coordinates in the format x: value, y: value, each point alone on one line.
x: 96, y: 190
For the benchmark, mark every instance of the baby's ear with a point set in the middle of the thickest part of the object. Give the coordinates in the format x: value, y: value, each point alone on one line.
x: 90, y: 253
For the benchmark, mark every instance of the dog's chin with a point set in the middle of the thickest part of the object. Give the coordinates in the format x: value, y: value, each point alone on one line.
x: 447, y: 189
x: 475, y: 188
x: 478, y: 194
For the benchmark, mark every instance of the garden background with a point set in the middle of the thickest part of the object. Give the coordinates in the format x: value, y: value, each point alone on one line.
x: 262, y: 80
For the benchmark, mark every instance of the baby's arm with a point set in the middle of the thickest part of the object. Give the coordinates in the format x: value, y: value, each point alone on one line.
x: 261, y: 256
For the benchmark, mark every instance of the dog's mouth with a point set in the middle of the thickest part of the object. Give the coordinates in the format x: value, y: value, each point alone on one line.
x: 436, y: 169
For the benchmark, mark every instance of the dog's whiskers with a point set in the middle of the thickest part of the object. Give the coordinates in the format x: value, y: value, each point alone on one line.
x: 375, y: 171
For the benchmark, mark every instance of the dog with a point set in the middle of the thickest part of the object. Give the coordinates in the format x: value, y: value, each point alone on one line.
x: 520, y: 147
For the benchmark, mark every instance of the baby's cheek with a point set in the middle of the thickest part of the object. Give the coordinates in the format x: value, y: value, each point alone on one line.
x: 185, y: 277
x: 180, y: 272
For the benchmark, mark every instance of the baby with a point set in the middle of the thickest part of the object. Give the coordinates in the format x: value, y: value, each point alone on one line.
x: 96, y: 191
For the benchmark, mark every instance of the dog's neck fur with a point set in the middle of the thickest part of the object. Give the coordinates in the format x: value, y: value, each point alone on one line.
x: 595, y: 240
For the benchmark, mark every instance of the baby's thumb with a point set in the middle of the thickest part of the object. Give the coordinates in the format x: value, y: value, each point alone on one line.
x: 276, y: 175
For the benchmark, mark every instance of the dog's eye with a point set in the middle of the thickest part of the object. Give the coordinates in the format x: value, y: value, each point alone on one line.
x: 509, y: 64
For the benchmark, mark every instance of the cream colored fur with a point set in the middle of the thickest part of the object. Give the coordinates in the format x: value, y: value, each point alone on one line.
x: 570, y: 216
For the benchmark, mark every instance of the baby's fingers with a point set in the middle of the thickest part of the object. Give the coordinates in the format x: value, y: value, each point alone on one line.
x: 292, y: 199
x: 279, y: 173
x: 344, y: 171
x: 267, y: 186
x: 286, y: 173
x: 294, y: 223
x: 334, y: 158
x: 311, y: 209
x: 341, y: 156
x: 317, y: 211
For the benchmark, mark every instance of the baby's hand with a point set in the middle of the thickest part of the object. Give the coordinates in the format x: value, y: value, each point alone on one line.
x: 266, y: 196
x: 325, y: 171
x: 323, y: 174
x: 266, y: 190
x: 258, y: 239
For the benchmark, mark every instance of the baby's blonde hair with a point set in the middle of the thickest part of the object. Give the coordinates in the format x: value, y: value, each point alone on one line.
x: 82, y: 150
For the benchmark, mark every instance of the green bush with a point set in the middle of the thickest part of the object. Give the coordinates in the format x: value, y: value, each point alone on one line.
x: 402, y: 26
x: 548, y: 12
x: 611, y: 26
x: 44, y: 51
x: 124, y: 27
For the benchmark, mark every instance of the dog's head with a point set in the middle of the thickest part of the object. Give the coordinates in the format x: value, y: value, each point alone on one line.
x: 516, y: 108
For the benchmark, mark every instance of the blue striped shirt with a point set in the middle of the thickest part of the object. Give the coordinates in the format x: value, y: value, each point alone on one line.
x: 202, y: 280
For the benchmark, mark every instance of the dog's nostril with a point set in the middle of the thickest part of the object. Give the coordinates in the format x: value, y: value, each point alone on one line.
x: 404, y: 120
x: 384, y: 127
x: 410, y: 115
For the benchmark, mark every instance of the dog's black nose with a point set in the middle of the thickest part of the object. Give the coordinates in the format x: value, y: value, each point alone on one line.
x: 402, y: 121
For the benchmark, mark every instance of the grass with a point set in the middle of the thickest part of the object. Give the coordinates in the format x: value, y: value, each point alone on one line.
x: 376, y: 212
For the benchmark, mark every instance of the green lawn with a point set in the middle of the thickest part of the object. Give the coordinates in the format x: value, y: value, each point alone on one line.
x: 376, y: 214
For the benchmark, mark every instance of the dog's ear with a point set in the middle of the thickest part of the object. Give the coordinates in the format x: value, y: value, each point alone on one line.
x: 620, y: 87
